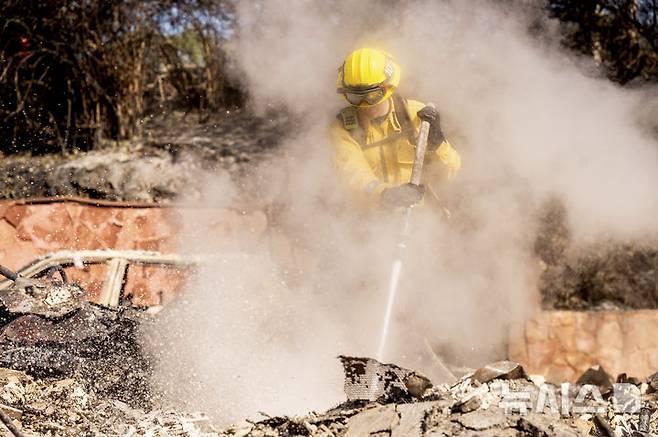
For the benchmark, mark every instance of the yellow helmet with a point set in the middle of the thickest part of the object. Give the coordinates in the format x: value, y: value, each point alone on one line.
x: 368, y: 77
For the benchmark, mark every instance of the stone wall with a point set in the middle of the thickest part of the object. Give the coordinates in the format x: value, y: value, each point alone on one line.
x: 561, y: 345
x: 28, y: 231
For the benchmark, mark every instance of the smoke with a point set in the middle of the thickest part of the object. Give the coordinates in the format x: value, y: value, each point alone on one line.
x: 261, y: 325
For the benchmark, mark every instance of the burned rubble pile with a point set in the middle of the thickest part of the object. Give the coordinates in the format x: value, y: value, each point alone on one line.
x: 496, y: 400
x: 71, y: 367
x: 67, y: 407
x: 48, y: 330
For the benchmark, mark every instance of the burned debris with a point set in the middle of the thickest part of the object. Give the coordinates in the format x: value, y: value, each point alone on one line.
x: 499, y: 370
x: 72, y: 367
x: 367, y: 379
x: 67, y: 407
x: 96, y: 343
x: 496, y: 400
x: 49, y: 331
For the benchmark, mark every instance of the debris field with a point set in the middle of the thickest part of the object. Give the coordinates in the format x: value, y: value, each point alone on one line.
x: 71, y: 368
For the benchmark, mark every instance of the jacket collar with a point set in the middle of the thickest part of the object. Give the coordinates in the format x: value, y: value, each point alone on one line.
x: 390, y: 117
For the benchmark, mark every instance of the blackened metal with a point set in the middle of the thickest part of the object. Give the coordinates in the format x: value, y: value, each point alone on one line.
x: 368, y: 379
x: 57, y: 269
x: 603, y: 428
x: 9, y: 274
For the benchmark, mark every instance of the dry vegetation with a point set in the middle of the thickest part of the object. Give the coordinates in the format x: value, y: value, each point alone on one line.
x: 72, y: 73
x: 75, y: 73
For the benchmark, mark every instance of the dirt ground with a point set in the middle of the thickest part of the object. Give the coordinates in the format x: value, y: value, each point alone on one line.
x: 163, y: 164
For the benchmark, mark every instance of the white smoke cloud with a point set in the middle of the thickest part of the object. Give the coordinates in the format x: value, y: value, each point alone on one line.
x: 259, y: 331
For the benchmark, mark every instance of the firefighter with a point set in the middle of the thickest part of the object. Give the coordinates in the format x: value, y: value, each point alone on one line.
x: 374, y: 137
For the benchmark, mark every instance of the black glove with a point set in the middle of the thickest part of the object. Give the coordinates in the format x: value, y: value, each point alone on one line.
x: 435, y: 137
x: 402, y: 195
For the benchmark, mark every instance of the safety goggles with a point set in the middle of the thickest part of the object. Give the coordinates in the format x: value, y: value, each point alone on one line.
x: 371, y: 96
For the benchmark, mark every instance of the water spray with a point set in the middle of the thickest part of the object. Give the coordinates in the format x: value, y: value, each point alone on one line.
x: 396, y: 268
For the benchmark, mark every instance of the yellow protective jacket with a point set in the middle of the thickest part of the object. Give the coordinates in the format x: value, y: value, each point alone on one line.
x: 369, y: 164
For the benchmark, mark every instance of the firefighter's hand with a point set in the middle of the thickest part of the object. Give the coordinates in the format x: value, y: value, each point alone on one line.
x: 430, y: 115
x: 402, y: 195
x: 435, y: 137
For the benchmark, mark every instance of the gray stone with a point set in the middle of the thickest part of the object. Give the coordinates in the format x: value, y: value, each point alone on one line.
x: 417, y: 384
x: 546, y: 425
x: 412, y: 418
x: 444, y: 429
x: 596, y: 375
x: 482, y: 419
x: 499, y: 370
x: 467, y: 405
x: 372, y: 420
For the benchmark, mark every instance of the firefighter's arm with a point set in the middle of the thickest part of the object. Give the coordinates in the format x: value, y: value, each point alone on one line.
x: 448, y: 156
x: 442, y: 151
x: 352, y: 165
